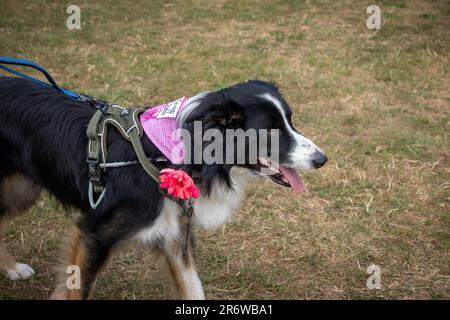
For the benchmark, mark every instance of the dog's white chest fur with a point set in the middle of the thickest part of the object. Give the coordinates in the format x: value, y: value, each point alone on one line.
x: 217, y: 209
x: 209, y: 212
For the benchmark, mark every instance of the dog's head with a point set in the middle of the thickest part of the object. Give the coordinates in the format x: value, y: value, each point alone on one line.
x: 256, y: 114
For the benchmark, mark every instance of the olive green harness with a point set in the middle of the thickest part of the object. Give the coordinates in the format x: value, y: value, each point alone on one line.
x: 127, y: 123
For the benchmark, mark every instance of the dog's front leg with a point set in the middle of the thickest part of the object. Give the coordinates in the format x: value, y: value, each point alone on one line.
x: 181, y: 262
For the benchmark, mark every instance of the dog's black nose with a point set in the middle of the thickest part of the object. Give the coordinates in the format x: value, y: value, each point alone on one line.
x: 319, y: 159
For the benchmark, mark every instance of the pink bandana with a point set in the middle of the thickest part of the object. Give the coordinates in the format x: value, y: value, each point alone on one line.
x: 160, y: 123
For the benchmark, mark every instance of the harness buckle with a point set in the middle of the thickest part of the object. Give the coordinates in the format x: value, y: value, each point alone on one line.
x: 94, y: 170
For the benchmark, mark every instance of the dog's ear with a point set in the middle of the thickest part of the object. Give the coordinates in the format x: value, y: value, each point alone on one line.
x: 216, y: 110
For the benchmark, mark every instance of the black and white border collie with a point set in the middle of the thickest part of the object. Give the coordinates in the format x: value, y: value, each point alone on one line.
x: 43, y: 146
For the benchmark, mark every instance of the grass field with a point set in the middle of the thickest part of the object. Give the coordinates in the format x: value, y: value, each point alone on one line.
x: 377, y: 102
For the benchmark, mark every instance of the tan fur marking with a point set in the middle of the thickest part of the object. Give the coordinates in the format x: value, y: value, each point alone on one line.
x: 18, y: 193
x: 177, y: 276
x: 179, y: 262
x: 75, y: 255
x: 7, y: 262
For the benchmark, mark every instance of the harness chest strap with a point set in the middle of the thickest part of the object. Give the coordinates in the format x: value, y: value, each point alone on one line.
x: 94, y: 153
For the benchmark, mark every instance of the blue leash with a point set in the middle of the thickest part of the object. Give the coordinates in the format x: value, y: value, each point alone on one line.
x: 28, y: 63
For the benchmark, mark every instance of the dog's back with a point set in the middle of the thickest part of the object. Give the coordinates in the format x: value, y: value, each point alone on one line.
x: 27, y: 107
x: 42, y: 133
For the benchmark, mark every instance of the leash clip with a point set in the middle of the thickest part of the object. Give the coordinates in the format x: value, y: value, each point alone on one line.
x: 99, y: 105
x: 188, y: 208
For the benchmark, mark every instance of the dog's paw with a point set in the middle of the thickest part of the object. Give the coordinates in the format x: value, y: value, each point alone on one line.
x: 20, y: 272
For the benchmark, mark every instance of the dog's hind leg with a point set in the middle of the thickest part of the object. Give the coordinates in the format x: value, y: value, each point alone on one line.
x: 70, y: 273
x: 181, y: 262
x: 17, y: 193
x: 85, y: 256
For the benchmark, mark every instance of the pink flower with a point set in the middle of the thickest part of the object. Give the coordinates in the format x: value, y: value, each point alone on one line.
x: 178, y: 184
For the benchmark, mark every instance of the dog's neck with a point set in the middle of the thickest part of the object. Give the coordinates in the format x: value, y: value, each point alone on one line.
x: 216, y: 208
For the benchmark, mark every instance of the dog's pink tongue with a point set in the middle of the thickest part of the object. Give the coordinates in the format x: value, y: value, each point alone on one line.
x: 294, y: 179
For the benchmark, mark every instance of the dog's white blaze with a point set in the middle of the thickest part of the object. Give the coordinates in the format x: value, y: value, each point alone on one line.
x: 300, y: 156
x: 209, y: 212
x: 166, y: 226
x: 217, y: 209
x: 190, y: 105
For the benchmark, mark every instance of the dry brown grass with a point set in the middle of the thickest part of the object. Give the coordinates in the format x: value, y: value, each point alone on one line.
x: 378, y: 103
